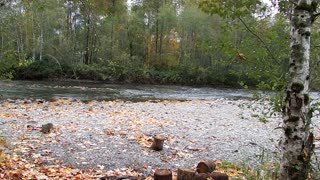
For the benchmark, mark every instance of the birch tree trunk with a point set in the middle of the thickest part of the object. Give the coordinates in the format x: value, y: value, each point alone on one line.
x: 297, y: 142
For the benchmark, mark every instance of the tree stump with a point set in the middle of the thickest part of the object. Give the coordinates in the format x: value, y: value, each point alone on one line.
x: 202, y: 176
x: 186, y: 174
x: 157, y: 144
x: 206, y: 167
x: 162, y: 174
x: 219, y: 176
x: 121, y: 178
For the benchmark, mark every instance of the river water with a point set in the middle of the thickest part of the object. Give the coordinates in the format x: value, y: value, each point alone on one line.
x: 101, y: 91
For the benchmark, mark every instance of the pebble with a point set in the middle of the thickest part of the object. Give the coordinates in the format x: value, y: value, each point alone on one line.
x: 220, y: 129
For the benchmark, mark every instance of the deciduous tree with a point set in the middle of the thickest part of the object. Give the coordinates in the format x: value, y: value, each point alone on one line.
x: 297, y: 142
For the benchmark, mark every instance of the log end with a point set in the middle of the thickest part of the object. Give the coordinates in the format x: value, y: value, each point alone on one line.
x: 158, y: 142
x: 206, y: 167
x: 186, y: 174
x: 163, y: 174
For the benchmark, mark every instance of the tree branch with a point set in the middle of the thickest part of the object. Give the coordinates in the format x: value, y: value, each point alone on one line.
x: 314, y: 17
x: 259, y: 38
x: 295, y: 2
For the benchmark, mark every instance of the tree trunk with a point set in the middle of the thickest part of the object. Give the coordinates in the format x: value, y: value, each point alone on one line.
x: 18, y: 41
x: 86, y: 55
x: 41, y: 43
x: 206, y: 167
x: 33, y: 38
x: 111, y: 41
x: 162, y: 174
x: 2, y: 41
x: 186, y: 174
x: 157, y: 144
x: 297, y: 141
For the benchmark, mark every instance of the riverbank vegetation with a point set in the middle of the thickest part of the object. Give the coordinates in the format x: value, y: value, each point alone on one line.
x: 162, y: 42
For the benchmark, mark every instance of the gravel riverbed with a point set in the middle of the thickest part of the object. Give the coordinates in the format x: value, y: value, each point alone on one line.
x: 117, y: 134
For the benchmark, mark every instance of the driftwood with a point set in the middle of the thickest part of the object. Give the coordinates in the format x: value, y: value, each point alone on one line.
x: 162, y: 174
x: 219, y: 176
x: 206, y: 167
x: 186, y: 174
x: 157, y: 144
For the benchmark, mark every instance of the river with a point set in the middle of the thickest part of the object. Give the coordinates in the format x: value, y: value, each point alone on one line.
x: 102, y: 91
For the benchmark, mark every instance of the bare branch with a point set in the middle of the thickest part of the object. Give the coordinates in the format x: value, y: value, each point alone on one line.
x: 258, y: 37
x: 315, y: 17
x: 295, y: 2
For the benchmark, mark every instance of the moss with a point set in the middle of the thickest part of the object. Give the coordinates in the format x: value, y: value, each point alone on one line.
x: 306, y: 99
x: 307, y: 33
x: 284, y: 108
x: 288, y: 132
x: 310, y: 113
x: 293, y: 119
x: 296, y: 138
x: 306, y: 7
x: 304, y: 24
x: 300, y: 158
x: 297, y: 87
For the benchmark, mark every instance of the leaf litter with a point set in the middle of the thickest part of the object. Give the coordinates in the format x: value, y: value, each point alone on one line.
x: 113, y: 138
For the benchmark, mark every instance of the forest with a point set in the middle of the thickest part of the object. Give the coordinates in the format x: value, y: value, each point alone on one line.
x: 152, y: 42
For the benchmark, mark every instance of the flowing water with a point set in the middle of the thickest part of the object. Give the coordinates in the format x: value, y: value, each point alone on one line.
x: 101, y: 91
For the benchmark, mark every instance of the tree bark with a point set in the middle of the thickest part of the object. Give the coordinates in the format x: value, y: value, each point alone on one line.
x: 297, y: 142
x: 157, y: 144
x: 206, y: 167
x: 87, y: 48
x: 219, y: 176
x: 162, y: 174
x: 41, y: 43
x: 202, y: 176
x: 186, y: 174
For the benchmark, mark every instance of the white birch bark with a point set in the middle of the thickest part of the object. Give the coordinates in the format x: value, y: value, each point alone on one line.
x: 297, y: 141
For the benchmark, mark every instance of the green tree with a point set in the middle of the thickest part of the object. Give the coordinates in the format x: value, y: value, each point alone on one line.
x: 297, y: 142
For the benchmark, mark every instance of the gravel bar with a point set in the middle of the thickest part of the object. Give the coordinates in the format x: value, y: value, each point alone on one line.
x: 116, y: 134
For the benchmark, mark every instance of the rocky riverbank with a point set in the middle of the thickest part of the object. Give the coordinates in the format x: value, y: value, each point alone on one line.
x: 117, y: 134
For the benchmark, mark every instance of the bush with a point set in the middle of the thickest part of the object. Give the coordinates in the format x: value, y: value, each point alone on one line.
x: 38, y: 70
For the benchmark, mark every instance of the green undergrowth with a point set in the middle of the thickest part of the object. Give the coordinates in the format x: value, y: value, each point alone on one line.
x: 268, y: 170
x: 112, y: 72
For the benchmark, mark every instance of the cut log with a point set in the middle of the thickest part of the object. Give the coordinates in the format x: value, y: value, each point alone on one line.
x: 157, y: 144
x: 186, y: 174
x: 206, y: 167
x: 121, y: 178
x: 202, y: 176
x: 162, y: 174
x: 219, y: 176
